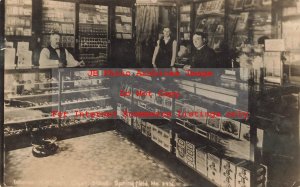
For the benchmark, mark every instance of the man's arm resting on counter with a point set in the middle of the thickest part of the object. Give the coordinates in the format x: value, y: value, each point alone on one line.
x: 71, y: 62
x: 45, y: 61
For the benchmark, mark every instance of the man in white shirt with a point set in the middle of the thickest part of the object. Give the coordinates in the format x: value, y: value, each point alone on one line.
x: 56, y: 56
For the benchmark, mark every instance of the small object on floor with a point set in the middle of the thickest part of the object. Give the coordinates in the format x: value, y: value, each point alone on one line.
x: 45, y: 147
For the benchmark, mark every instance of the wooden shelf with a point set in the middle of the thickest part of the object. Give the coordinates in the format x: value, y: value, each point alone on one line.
x: 25, y: 121
x: 85, y: 101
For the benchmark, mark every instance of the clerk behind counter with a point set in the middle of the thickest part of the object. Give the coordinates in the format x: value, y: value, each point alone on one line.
x: 56, y: 56
x: 203, y: 56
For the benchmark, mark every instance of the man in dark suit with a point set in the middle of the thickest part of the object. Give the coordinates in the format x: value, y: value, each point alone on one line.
x: 203, y: 56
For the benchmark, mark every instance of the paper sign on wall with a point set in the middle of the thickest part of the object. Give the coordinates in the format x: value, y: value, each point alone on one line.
x: 274, y: 45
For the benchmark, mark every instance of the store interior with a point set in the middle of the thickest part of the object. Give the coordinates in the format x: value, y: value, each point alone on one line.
x: 66, y: 126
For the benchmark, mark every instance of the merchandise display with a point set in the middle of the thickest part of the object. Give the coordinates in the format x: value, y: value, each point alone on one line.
x: 34, y: 97
x: 58, y: 19
x: 123, y: 23
x: 234, y: 125
x: 210, y: 19
x: 93, y: 34
x: 19, y: 16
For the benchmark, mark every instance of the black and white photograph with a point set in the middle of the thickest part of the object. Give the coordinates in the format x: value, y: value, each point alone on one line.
x: 150, y: 93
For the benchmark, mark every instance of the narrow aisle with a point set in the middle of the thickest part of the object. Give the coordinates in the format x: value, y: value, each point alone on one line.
x: 103, y: 159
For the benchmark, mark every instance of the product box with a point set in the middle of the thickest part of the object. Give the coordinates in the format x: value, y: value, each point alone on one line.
x: 9, y: 58
x: 146, y: 128
x: 143, y: 128
x: 180, y: 148
x: 190, y: 154
x: 162, y: 136
x: 168, y: 103
x: 201, y: 160
x: 245, y: 175
x: 202, y: 114
x: 228, y: 171
x: 136, y: 123
x: 159, y: 100
x: 214, y: 167
x: 213, y: 122
x: 150, y: 98
x: 119, y: 110
x: 201, y: 131
x: 230, y: 127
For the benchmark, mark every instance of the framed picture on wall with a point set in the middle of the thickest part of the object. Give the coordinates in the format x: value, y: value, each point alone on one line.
x: 238, y: 4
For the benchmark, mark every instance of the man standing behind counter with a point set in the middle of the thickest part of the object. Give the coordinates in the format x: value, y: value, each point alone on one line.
x: 56, y: 56
x: 203, y: 56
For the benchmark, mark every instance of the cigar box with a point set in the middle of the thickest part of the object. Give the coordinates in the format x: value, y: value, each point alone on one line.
x: 201, y: 160
x: 143, y: 128
x: 148, y: 129
x: 228, y: 171
x: 190, y: 154
x: 245, y: 174
x: 180, y: 148
x: 162, y: 136
x: 214, y: 167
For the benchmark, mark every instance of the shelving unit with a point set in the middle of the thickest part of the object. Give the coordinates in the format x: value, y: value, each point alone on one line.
x: 123, y: 22
x: 60, y: 19
x: 86, y: 28
x: 93, y: 34
x: 210, y: 18
x: 185, y: 30
x: 19, y: 13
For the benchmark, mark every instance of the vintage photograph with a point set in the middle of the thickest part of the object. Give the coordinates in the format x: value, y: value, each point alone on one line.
x: 150, y: 93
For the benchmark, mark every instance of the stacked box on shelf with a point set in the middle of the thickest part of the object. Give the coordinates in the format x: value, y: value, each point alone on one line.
x: 179, y: 108
x: 137, y: 123
x: 228, y: 171
x: 190, y: 156
x: 162, y: 136
x: 120, y: 113
x: 246, y: 172
x: 18, y: 18
x: 186, y: 148
x: 214, y: 167
x: 201, y: 160
x: 123, y: 23
x: 180, y: 148
x: 93, y: 33
x: 146, y: 128
x: 159, y: 100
